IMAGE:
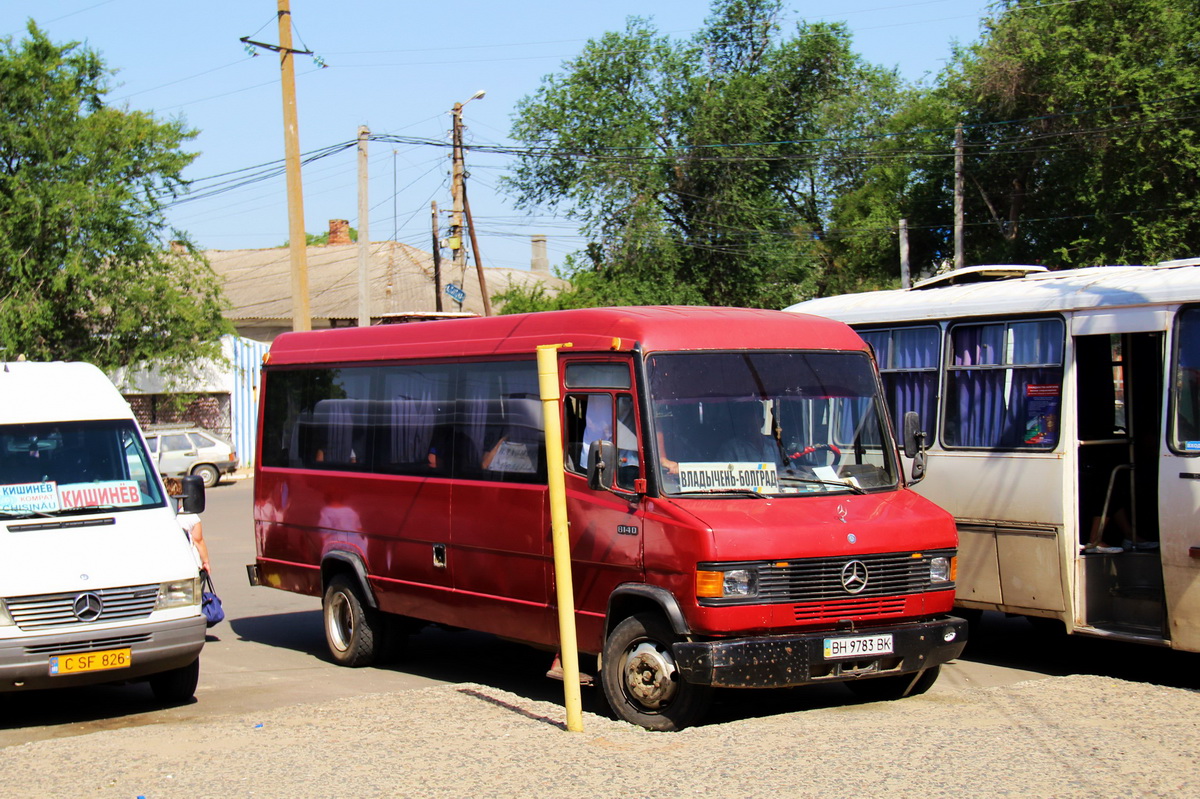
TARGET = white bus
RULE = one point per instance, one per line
(1062, 418)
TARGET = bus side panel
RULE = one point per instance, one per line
(500, 559)
(1179, 508)
(395, 537)
(993, 496)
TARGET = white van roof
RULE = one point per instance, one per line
(57, 392)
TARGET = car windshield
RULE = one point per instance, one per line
(74, 467)
(769, 423)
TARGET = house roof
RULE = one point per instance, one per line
(258, 283)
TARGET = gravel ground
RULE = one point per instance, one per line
(1062, 737)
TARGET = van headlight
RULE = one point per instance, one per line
(726, 584)
(178, 594)
(939, 570)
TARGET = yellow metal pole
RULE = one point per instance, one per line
(547, 360)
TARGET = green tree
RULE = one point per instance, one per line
(700, 170)
(1081, 143)
(85, 270)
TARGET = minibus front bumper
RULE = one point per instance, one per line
(781, 661)
(154, 647)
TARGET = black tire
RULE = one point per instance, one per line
(176, 686)
(353, 631)
(208, 473)
(640, 680)
(885, 689)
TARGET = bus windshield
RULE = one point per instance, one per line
(769, 423)
(74, 467)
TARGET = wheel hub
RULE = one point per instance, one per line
(650, 675)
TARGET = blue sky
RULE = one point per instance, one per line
(398, 66)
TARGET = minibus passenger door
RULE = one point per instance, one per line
(1179, 485)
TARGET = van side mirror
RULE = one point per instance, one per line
(914, 444)
(602, 461)
(193, 494)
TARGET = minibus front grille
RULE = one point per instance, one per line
(821, 579)
(43, 611)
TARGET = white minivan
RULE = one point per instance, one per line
(98, 582)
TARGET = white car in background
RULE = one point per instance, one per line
(180, 450)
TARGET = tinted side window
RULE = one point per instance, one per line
(1004, 385)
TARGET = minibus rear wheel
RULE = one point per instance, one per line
(640, 680)
(353, 631)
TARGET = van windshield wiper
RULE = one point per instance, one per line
(25, 513)
(819, 481)
(737, 492)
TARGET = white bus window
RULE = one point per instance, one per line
(1004, 385)
(908, 363)
(1185, 437)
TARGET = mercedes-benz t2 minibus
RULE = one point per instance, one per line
(754, 530)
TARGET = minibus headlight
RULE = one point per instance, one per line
(726, 584)
(939, 570)
(178, 594)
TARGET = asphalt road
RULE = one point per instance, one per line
(270, 653)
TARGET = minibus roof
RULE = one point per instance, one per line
(57, 392)
(1027, 292)
(656, 328)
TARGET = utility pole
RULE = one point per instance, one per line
(437, 259)
(905, 273)
(364, 238)
(483, 289)
(958, 196)
(456, 189)
(301, 315)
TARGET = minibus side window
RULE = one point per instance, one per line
(1004, 385)
(591, 418)
(498, 423)
(1185, 435)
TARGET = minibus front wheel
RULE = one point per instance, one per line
(640, 678)
(353, 631)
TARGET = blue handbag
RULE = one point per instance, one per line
(210, 603)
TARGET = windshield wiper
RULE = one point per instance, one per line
(738, 492)
(819, 481)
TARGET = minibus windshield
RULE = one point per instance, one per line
(769, 423)
(56, 468)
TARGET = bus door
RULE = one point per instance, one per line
(1179, 485)
(605, 525)
(1119, 399)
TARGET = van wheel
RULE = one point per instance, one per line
(884, 689)
(353, 631)
(176, 686)
(640, 680)
(208, 473)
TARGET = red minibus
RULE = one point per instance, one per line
(737, 512)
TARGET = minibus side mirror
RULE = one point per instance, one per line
(193, 494)
(914, 445)
(602, 460)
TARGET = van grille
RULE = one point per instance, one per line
(817, 579)
(94, 645)
(44, 611)
(844, 608)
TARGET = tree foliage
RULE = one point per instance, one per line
(1079, 122)
(84, 270)
(746, 166)
(699, 169)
